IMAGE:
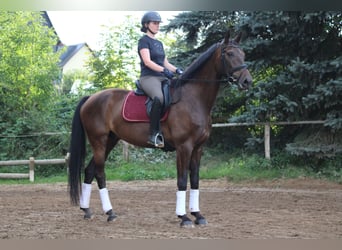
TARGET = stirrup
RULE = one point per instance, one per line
(154, 140)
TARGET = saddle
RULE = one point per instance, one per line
(137, 105)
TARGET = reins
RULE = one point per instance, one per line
(229, 74)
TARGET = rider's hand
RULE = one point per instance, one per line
(168, 73)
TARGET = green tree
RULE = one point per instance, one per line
(302, 53)
(115, 64)
(198, 30)
(71, 77)
(28, 68)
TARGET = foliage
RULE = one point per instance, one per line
(71, 77)
(28, 64)
(28, 68)
(318, 142)
(197, 31)
(307, 45)
(307, 79)
(114, 65)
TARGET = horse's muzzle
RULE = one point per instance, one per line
(245, 85)
(245, 80)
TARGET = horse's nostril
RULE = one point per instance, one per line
(248, 82)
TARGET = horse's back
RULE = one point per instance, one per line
(101, 108)
(100, 100)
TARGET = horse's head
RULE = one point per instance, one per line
(233, 62)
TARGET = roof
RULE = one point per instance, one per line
(71, 49)
(47, 20)
(70, 52)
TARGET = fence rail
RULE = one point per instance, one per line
(217, 125)
(267, 130)
(31, 164)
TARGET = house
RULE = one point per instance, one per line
(75, 58)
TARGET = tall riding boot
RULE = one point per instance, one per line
(156, 138)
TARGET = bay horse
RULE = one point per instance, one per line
(98, 118)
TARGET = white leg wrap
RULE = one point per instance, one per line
(180, 205)
(85, 195)
(194, 200)
(106, 205)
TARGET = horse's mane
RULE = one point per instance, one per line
(198, 63)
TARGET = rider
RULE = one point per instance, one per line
(155, 68)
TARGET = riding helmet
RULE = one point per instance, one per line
(151, 16)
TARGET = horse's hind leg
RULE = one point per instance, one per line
(100, 157)
(89, 174)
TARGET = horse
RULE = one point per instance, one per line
(99, 119)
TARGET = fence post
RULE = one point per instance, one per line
(31, 171)
(67, 158)
(267, 135)
(125, 150)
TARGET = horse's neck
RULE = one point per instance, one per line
(204, 86)
(204, 90)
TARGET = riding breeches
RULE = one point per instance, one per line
(152, 86)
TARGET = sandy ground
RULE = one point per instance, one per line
(296, 209)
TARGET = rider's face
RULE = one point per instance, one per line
(154, 26)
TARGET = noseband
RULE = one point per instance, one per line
(230, 73)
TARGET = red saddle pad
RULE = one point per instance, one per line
(134, 109)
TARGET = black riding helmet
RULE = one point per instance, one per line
(150, 16)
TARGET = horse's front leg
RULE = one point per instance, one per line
(183, 160)
(194, 187)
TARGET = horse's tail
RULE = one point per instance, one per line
(77, 154)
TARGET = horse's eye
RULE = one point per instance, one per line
(230, 54)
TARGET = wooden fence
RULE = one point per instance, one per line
(267, 133)
(267, 130)
(31, 164)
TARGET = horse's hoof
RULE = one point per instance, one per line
(88, 214)
(186, 222)
(111, 216)
(201, 222)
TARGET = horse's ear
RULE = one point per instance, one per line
(227, 37)
(238, 38)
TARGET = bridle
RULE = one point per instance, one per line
(230, 73)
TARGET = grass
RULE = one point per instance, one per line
(147, 164)
(238, 173)
(248, 168)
